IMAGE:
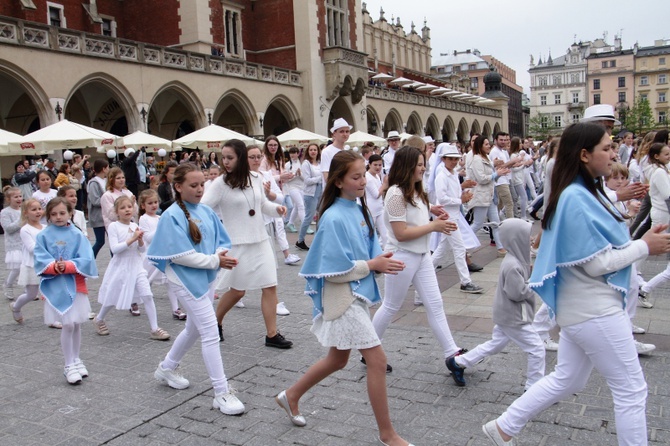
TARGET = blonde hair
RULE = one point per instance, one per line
(618, 169)
(10, 190)
(111, 176)
(144, 196)
(24, 209)
(119, 201)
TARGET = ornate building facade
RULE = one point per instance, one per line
(652, 78)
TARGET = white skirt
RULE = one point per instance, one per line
(352, 330)
(13, 259)
(27, 276)
(78, 314)
(257, 268)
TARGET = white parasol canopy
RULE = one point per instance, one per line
(440, 90)
(382, 77)
(5, 138)
(359, 138)
(299, 136)
(401, 81)
(139, 139)
(63, 135)
(427, 87)
(209, 138)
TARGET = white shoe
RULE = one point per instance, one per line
(282, 310)
(550, 345)
(81, 368)
(643, 349)
(291, 259)
(240, 304)
(417, 299)
(638, 330)
(643, 300)
(91, 316)
(491, 431)
(171, 378)
(72, 374)
(228, 404)
(9, 293)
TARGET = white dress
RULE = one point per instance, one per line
(125, 276)
(149, 223)
(27, 274)
(352, 330)
(11, 223)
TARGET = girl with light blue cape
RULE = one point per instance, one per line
(339, 273)
(64, 259)
(582, 273)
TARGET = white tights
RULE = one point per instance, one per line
(70, 342)
(29, 295)
(12, 276)
(149, 307)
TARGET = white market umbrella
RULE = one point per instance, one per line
(401, 81)
(210, 138)
(5, 138)
(63, 135)
(414, 85)
(439, 91)
(405, 135)
(451, 93)
(299, 136)
(359, 138)
(139, 139)
(427, 87)
(382, 77)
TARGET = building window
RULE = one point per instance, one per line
(662, 79)
(575, 98)
(336, 17)
(596, 84)
(575, 118)
(557, 99)
(543, 81)
(232, 29)
(661, 96)
(472, 67)
(457, 69)
(661, 60)
(612, 63)
(543, 100)
(622, 82)
(644, 97)
(622, 96)
(596, 99)
(557, 80)
(56, 15)
(662, 117)
(644, 80)
(108, 27)
(604, 64)
(474, 83)
(558, 122)
(544, 121)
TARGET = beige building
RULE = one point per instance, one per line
(652, 78)
(610, 77)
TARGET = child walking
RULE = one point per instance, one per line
(149, 202)
(10, 218)
(31, 215)
(193, 246)
(513, 308)
(45, 193)
(96, 188)
(125, 277)
(78, 217)
(374, 195)
(339, 270)
(64, 259)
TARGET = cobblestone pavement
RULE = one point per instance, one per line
(121, 403)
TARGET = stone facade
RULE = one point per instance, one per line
(652, 77)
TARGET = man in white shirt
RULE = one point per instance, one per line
(500, 157)
(626, 148)
(393, 138)
(340, 133)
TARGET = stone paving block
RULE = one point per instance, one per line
(232, 437)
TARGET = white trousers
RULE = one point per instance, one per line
(605, 343)
(280, 234)
(530, 184)
(201, 323)
(420, 273)
(378, 221)
(479, 215)
(524, 336)
(521, 199)
(453, 241)
(298, 212)
(543, 323)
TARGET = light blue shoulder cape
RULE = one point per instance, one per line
(580, 229)
(68, 243)
(341, 239)
(172, 240)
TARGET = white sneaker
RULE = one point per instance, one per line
(81, 368)
(638, 330)
(9, 293)
(228, 404)
(491, 431)
(282, 310)
(643, 349)
(643, 300)
(550, 345)
(240, 304)
(417, 299)
(292, 259)
(72, 374)
(171, 378)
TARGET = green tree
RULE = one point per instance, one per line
(639, 119)
(541, 126)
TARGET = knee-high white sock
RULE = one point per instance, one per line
(150, 308)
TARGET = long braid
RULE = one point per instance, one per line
(193, 229)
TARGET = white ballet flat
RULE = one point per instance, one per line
(384, 444)
(297, 420)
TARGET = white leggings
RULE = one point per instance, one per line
(12, 276)
(479, 215)
(524, 336)
(201, 323)
(149, 307)
(658, 279)
(29, 295)
(605, 343)
(420, 273)
(298, 212)
(70, 342)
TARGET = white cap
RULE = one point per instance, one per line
(393, 134)
(428, 139)
(600, 112)
(338, 124)
(129, 151)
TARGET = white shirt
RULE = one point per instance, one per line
(388, 158)
(327, 157)
(499, 154)
(448, 192)
(372, 196)
(397, 209)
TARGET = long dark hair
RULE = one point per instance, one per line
(239, 177)
(569, 167)
(478, 145)
(654, 150)
(339, 167)
(402, 174)
(180, 178)
(166, 169)
(318, 154)
(276, 160)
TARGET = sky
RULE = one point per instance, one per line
(512, 30)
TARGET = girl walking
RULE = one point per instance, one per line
(293, 188)
(64, 259)
(96, 188)
(45, 193)
(407, 218)
(193, 246)
(10, 218)
(31, 215)
(125, 277)
(374, 195)
(78, 218)
(339, 270)
(311, 174)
